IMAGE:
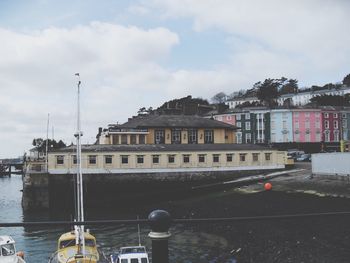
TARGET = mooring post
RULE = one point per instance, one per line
(159, 221)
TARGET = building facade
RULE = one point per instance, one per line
(331, 124)
(281, 126)
(307, 125)
(228, 118)
(168, 129)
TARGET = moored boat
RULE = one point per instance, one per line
(134, 254)
(8, 253)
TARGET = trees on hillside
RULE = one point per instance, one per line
(331, 100)
(346, 80)
(267, 91)
(219, 98)
(40, 144)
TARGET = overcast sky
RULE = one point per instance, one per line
(141, 53)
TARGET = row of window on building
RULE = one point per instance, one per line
(186, 158)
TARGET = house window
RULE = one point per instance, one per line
(139, 158)
(175, 136)
(335, 124)
(284, 124)
(201, 158)
(307, 124)
(273, 137)
(297, 137)
(125, 159)
(238, 117)
(186, 158)
(296, 125)
(344, 123)
(248, 138)
(344, 115)
(142, 139)
(307, 137)
(296, 114)
(247, 116)
(317, 114)
(108, 159)
(242, 157)
(124, 139)
(171, 158)
(159, 137)
(239, 137)
(247, 126)
(272, 125)
(132, 139)
(267, 156)
(318, 137)
(192, 136)
(59, 159)
(115, 139)
(239, 124)
(326, 115)
(327, 136)
(335, 115)
(336, 136)
(208, 136)
(74, 158)
(255, 157)
(326, 124)
(216, 158)
(92, 159)
(229, 157)
(155, 158)
(317, 124)
(307, 114)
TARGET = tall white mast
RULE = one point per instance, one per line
(80, 204)
(47, 143)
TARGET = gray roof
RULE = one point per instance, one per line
(164, 148)
(174, 121)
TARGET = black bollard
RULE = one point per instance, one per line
(159, 221)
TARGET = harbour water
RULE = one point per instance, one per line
(39, 242)
(317, 239)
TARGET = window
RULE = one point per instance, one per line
(159, 137)
(134, 260)
(74, 158)
(335, 124)
(171, 158)
(273, 137)
(317, 114)
(296, 114)
(247, 126)
(239, 137)
(272, 125)
(326, 115)
(139, 158)
(248, 138)
(92, 159)
(318, 137)
(336, 136)
(229, 157)
(216, 158)
(125, 159)
(208, 136)
(307, 114)
(175, 136)
(124, 139)
(229, 118)
(284, 124)
(155, 158)
(247, 116)
(108, 159)
(186, 158)
(344, 123)
(8, 250)
(335, 115)
(132, 139)
(144, 260)
(296, 124)
(142, 139)
(192, 136)
(344, 115)
(59, 159)
(327, 136)
(307, 137)
(201, 158)
(297, 137)
(242, 157)
(239, 124)
(238, 117)
(267, 156)
(317, 124)
(326, 124)
(124, 260)
(115, 139)
(307, 124)
(255, 157)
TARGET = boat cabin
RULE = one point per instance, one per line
(8, 250)
(136, 254)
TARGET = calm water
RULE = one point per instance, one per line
(186, 245)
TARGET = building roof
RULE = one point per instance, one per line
(163, 148)
(174, 121)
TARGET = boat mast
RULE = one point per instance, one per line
(80, 205)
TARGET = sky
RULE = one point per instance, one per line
(141, 53)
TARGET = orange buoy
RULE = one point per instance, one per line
(268, 186)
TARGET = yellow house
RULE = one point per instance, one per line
(168, 129)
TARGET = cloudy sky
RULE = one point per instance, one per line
(143, 52)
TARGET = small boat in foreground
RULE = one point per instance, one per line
(135, 254)
(8, 252)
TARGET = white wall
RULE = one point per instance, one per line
(331, 163)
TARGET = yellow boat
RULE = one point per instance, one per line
(68, 251)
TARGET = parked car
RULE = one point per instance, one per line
(295, 154)
(304, 158)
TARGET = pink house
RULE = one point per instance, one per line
(307, 125)
(228, 118)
